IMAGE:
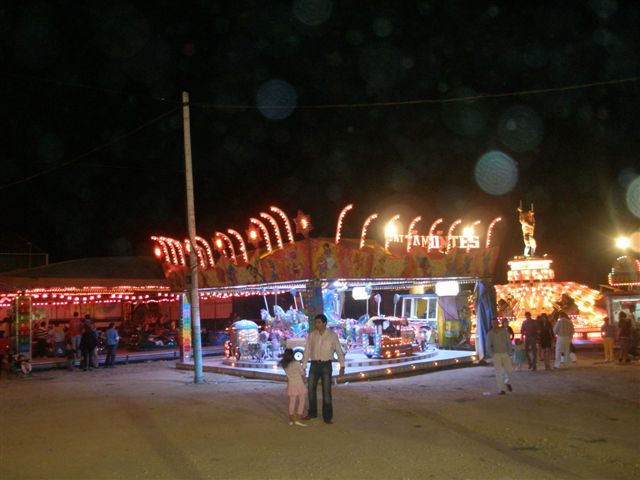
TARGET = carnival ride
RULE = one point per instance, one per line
(321, 272)
(532, 287)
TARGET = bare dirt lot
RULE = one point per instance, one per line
(150, 421)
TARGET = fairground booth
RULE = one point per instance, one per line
(132, 292)
(622, 292)
(405, 298)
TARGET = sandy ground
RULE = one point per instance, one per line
(150, 421)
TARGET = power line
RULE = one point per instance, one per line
(89, 152)
(468, 98)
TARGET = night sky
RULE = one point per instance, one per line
(92, 133)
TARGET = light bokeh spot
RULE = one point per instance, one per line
(633, 197)
(496, 173)
(312, 12)
(276, 99)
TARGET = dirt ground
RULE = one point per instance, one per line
(150, 421)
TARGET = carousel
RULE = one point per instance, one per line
(398, 305)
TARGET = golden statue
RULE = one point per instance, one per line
(528, 222)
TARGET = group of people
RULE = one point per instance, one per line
(76, 341)
(88, 346)
(538, 336)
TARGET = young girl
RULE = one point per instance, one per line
(519, 354)
(296, 387)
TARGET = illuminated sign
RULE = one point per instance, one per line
(437, 242)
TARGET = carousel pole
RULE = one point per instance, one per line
(193, 259)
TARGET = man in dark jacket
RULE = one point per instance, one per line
(88, 343)
(530, 332)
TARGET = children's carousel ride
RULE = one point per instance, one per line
(432, 275)
(532, 287)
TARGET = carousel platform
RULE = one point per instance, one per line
(357, 366)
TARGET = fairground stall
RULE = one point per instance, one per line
(532, 287)
(132, 292)
(622, 294)
(409, 296)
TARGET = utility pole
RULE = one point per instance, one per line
(193, 259)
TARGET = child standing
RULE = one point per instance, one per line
(296, 387)
(519, 354)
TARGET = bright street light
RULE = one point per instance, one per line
(623, 243)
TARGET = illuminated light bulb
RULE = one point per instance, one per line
(468, 231)
(390, 230)
(623, 243)
(344, 211)
(285, 219)
(157, 252)
(365, 225)
(411, 230)
(219, 243)
(274, 225)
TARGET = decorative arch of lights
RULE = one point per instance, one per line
(460, 235)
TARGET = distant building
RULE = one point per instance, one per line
(17, 253)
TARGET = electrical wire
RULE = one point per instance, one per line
(425, 101)
(468, 98)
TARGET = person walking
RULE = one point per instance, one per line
(564, 331)
(296, 387)
(530, 330)
(499, 349)
(88, 343)
(111, 341)
(608, 333)
(624, 336)
(546, 339)
(319, 350)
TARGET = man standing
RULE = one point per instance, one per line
(499, 349)
(111, 339)
(624, 335)
(530, 332)
(75, 333)
(608, 332)
(564, 333)
(321, 345)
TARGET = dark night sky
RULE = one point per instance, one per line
(79, 74)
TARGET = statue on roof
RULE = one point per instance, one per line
(528, 222)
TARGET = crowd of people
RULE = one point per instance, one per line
(539, 336)
(77, 342)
